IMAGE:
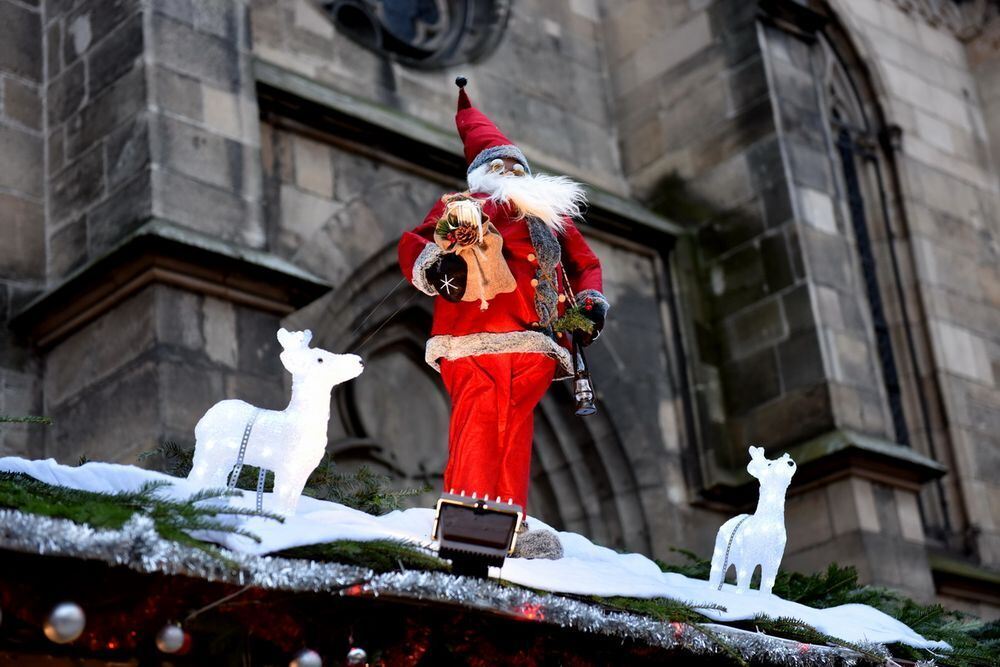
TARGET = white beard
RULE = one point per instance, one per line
(551, 199)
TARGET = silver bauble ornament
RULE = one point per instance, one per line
(65, 623)
(170, 638)
(306, 658)
(357, 657)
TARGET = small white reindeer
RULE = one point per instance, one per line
(290, 442)
(749, 540)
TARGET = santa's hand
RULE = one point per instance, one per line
(585, 338)
(448, 275)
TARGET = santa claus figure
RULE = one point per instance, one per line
(504, 261)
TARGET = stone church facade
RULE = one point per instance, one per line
(796, 203)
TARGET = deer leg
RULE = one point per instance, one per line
(744, 573)
(719, 564)
(209, 467)
(768, 573)
(287, 489)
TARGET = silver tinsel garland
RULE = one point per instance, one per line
(138, 546)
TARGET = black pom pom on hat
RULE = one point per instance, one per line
(460, 81)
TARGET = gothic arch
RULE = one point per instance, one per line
(394, 417)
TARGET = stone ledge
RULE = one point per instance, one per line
(364, 126)
(963, 579)
(161, 252)
(827, 458)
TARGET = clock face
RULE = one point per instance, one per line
(427, 34)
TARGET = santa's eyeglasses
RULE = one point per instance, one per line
(498, 166)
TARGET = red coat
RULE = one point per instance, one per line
(518, 321)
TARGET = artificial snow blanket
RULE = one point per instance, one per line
(586, 569)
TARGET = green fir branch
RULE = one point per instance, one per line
(172, 520)
(572, 320)
(791, 628)
(30, 419)
(727, 648)
(362, 489)
(974, 643)
(379, 555)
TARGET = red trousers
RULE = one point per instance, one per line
(493, 398)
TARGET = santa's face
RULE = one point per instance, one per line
(507, 166)
(552, 199)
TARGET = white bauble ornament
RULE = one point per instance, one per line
(357, 657)
(288, 442)
(749, 540)
(65, 623)
(170, 638)
(306, 658)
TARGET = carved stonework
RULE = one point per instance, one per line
(966, 19)
(423, 33)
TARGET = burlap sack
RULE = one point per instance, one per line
(489, 274)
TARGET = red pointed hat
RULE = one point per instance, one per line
(483, 141)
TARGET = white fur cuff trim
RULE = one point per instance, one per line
(427, 256)
(470, 345)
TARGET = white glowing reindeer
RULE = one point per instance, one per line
(289, 442)
(749, 540)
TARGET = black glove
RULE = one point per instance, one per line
(448, 275)
(584, 338)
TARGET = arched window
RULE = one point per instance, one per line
(862, 192)
(426, 34)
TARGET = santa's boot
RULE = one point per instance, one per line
(537, 544)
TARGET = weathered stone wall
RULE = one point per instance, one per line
(781, 333)
(145, 372)
(97, 166)
(544, 86)
(700, 143)
(950, 190)
(204, 119)
(22, 211)
(151, 113)
(982, 55)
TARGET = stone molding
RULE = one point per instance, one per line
(830, 457)
(962, 578)
(286, 96)
(966, 20)
(162, 253)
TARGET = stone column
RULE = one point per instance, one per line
(723, 130)
(22, 212)
(160, 299)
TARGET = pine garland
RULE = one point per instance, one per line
(173, 520)
(379, 555)
(974, 642)
(362, 489)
